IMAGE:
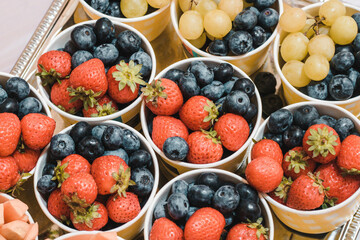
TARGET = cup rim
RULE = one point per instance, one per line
(73, 234)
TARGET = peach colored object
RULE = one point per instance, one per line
(15, 230)
(14, 209)
(33, 232)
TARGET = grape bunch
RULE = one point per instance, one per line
(225, 27)
(322, 53)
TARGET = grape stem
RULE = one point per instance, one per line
(191, 3)
(315, 26)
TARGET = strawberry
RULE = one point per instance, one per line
(57, 207)
(198, 113)
(248, 231)
(321, 143)
(206, 223)
(111, 175)
(53, 66)
(123, 209)
(340, 186)
(297, 162)
(124, 81)
(37, 130)
(26, 159)
(10, 130)
(165, 127)
(59, 95)
(204, 147)
(163, 97)
(95, 217)
(165, 229)
(306, 193)
(69, 166)
(264, 174)
(9, 173)
(280, 194)
(267, 148)
(88, 82)
(233, 131)
(349, 156)
(104, 106)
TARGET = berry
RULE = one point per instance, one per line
(240, 42)
(79, 57)
(188, 85)
(203, 74)
(246, 192)
(140, 158)
(304, 115)
(112, 137)
(70, 47)
(17, 88)
(348, 159)
(280, 121)
(174, 75)
(160, 210)
(209, 179)
(79, 131)
(61, 145)
(48, 169)
(245, 85)
(45, 185)
(114, 10)
(100, 5)
(95, 218)
(259, 36)
(26, 159)
(144, 182)
(177, 206)
(213, 91)
(123, 209)
(265, 83)
(237, 102)
(344, 126)
(10, 129)
(3, 95)
(83, 37)
(10, 105)
(180, 186)
(341, 87)
(60, 96)
(107, 53)
(131, 142)
(104, 30)
(293, 136)
(245, 20)
(200, 195)
(226, 199)
(175, 148)
(223, 72)
(267, 148)
(218, 48)
(277, 138)
(141, 57)
(164, 228)
(248, 210)
(252, 231)
(318, 90)
(127, 42)
(297, 162)
(90, 148)
(251, 112)
(56, 205)
(268, 18)
(121, 153)
(261, 4)
(271, 103)
(98, 131)
(342, 61)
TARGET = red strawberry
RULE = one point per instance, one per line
(111, 174)
(163, 97)
(297, 162)
(206, 223)
(248, 231)
(349, 157)
(165, 127)
(104, 106)
(198, 113)
(267, 148)
(233, 131)
(165, 229)
(88, 82)
(9, 173)
(204, 147)
(53, 66)
(264, 174)
(26, 159)
(280, 194)
(71, 165)
(59, 95)
(124, 80)
(10, 133)
(321, 143)
(57, 207)
(95, 218)
(339, 186)
(306, 193)
(123, 209)
(37, 130)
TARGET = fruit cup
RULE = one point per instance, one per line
(230, 163)
(292, 94)
(313, 221)
(151, 25)
(129, 113)
(128, 230)
(83, 235)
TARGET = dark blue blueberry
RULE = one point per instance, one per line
(144, 182)
(342, 61)
(49, 169)
(226, 199)
(270, 104)
(209, 179)
(128, 42)
(84, 37)
(10, 105)
(160, 210)
(228, 36)
(356, 43)
(112, 137)
(265, 83)
(228, 86)
(280, 121)
(245, 20)
(356, 17)
(180, 186)
(80, 57)
(268, 18)
(140, 158)
(343, 48)
(143, 58)
(248, 210)
(213, 91)
(268, 34)
(203, 74)
(90, 148)
(357, 61)
(98, 131)
(240, 42)
(104, 30)
(259, 36)
(223, 72)
(177, 206)
(218, 48)
(114, 10)
(174, 75)
(237, 102)
(245, 85)
(318, 90)
(277, 138)
(70, 47)
(121, 153)
(229, 220)
(131, 142)
(319, 121)
(304, 115)
(191, 211)
(331, 121)
(246, 192)
(45, 185)
(251, 112)
(293, 136)
(188, 86)
(341, 87)
(261, 4)
(354, 76)
(122, 58)
(29, 105)
(175, 148)
(220, 103)
(107, 53)
(200, 195)
(100, 5)
(344, 126)
(253, 9)
(328, 77)
(61, 146)
(17, 88)
(79, 131)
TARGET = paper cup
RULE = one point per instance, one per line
(81, 235)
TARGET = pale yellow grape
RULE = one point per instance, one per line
(308, 27)
(324, 29)
(316, 67)
(199, 43)
(344, 30)
(204, 6)
(217, 23)
(294, 47)
(294, 72)
(231, 7)
(323, 45)
(293, 20)
(191, 25)
(133, 8)
(186, 5)
(158, 3)
(331, 10)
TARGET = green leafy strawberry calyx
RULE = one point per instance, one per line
(260, 229)
(104, 110)
(49, 77)
(87, 217)
(123, 181)
(328, 202)
(21, 145)
(87, 96)
(17, 188)
(76, 205)
(298, 160)
(60, 174)
(284, 187)
(318, 182)
(322, 141)
(71, 111)
(213, 111)
(352, 171)
(212, 134)
(153, 92)
(128, 75)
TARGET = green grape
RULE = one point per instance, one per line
(294, 47)
(204, 6)
(200, 42)
(293, 71)
(323, 45)
(231, 7)
(217, 23)
(324, 30)
(344, 30)
(308, 29)
(186, 5)
(293, 20)
(331, 10)
(316, 67)
(158, 3)
(133, 8)
(191, 25)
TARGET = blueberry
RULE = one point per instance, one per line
(344, 126)
(200, 195)
(100, 5)
(218, 48)
(104, 30)
(304, 115)
(107, 53)
(83, 37)
(354, 76)
(49, 169)
(356, 17)
(317, 89)
(121, 153)
(144, 182)
(228, 36)
(188, 86)
(261, 4)
(240, 42)
(356, 43)
(140, 158)
(229, 220)
(270, 104)
(245, 85)
(357, 60)
(319, 121)
(275, 137)
(79, 131)
(128, 42)
(228, 86)
(341, 87)
(191, 211)
(251, 112)
(175, 148)
(209, 179)
(246, 192)
(268, 18)
(122, 58)
(203, 74)
(80, 57)
(226, 199)
(160, 210)
(114, 10)
(177, 206)
(10, 105)
(237, 102)
(17, 88)
(45, 185)
(112, 137)
(343, 48)
(332, 121)
(220, 103)
(180, 186)
(70, 47)
(293, 136)
(61, 146)
(280, 121)
(98, 131)
(342, 61)
(259, 36)
(223, 72)
(131, 142)
(143, 58)
(253, 9)
(174, 75)
(90, 148)
(245, 20)
(213, 91)
(248, 210)
(29, 105)
(265, 83)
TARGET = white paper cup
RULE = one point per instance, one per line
(81, 235)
